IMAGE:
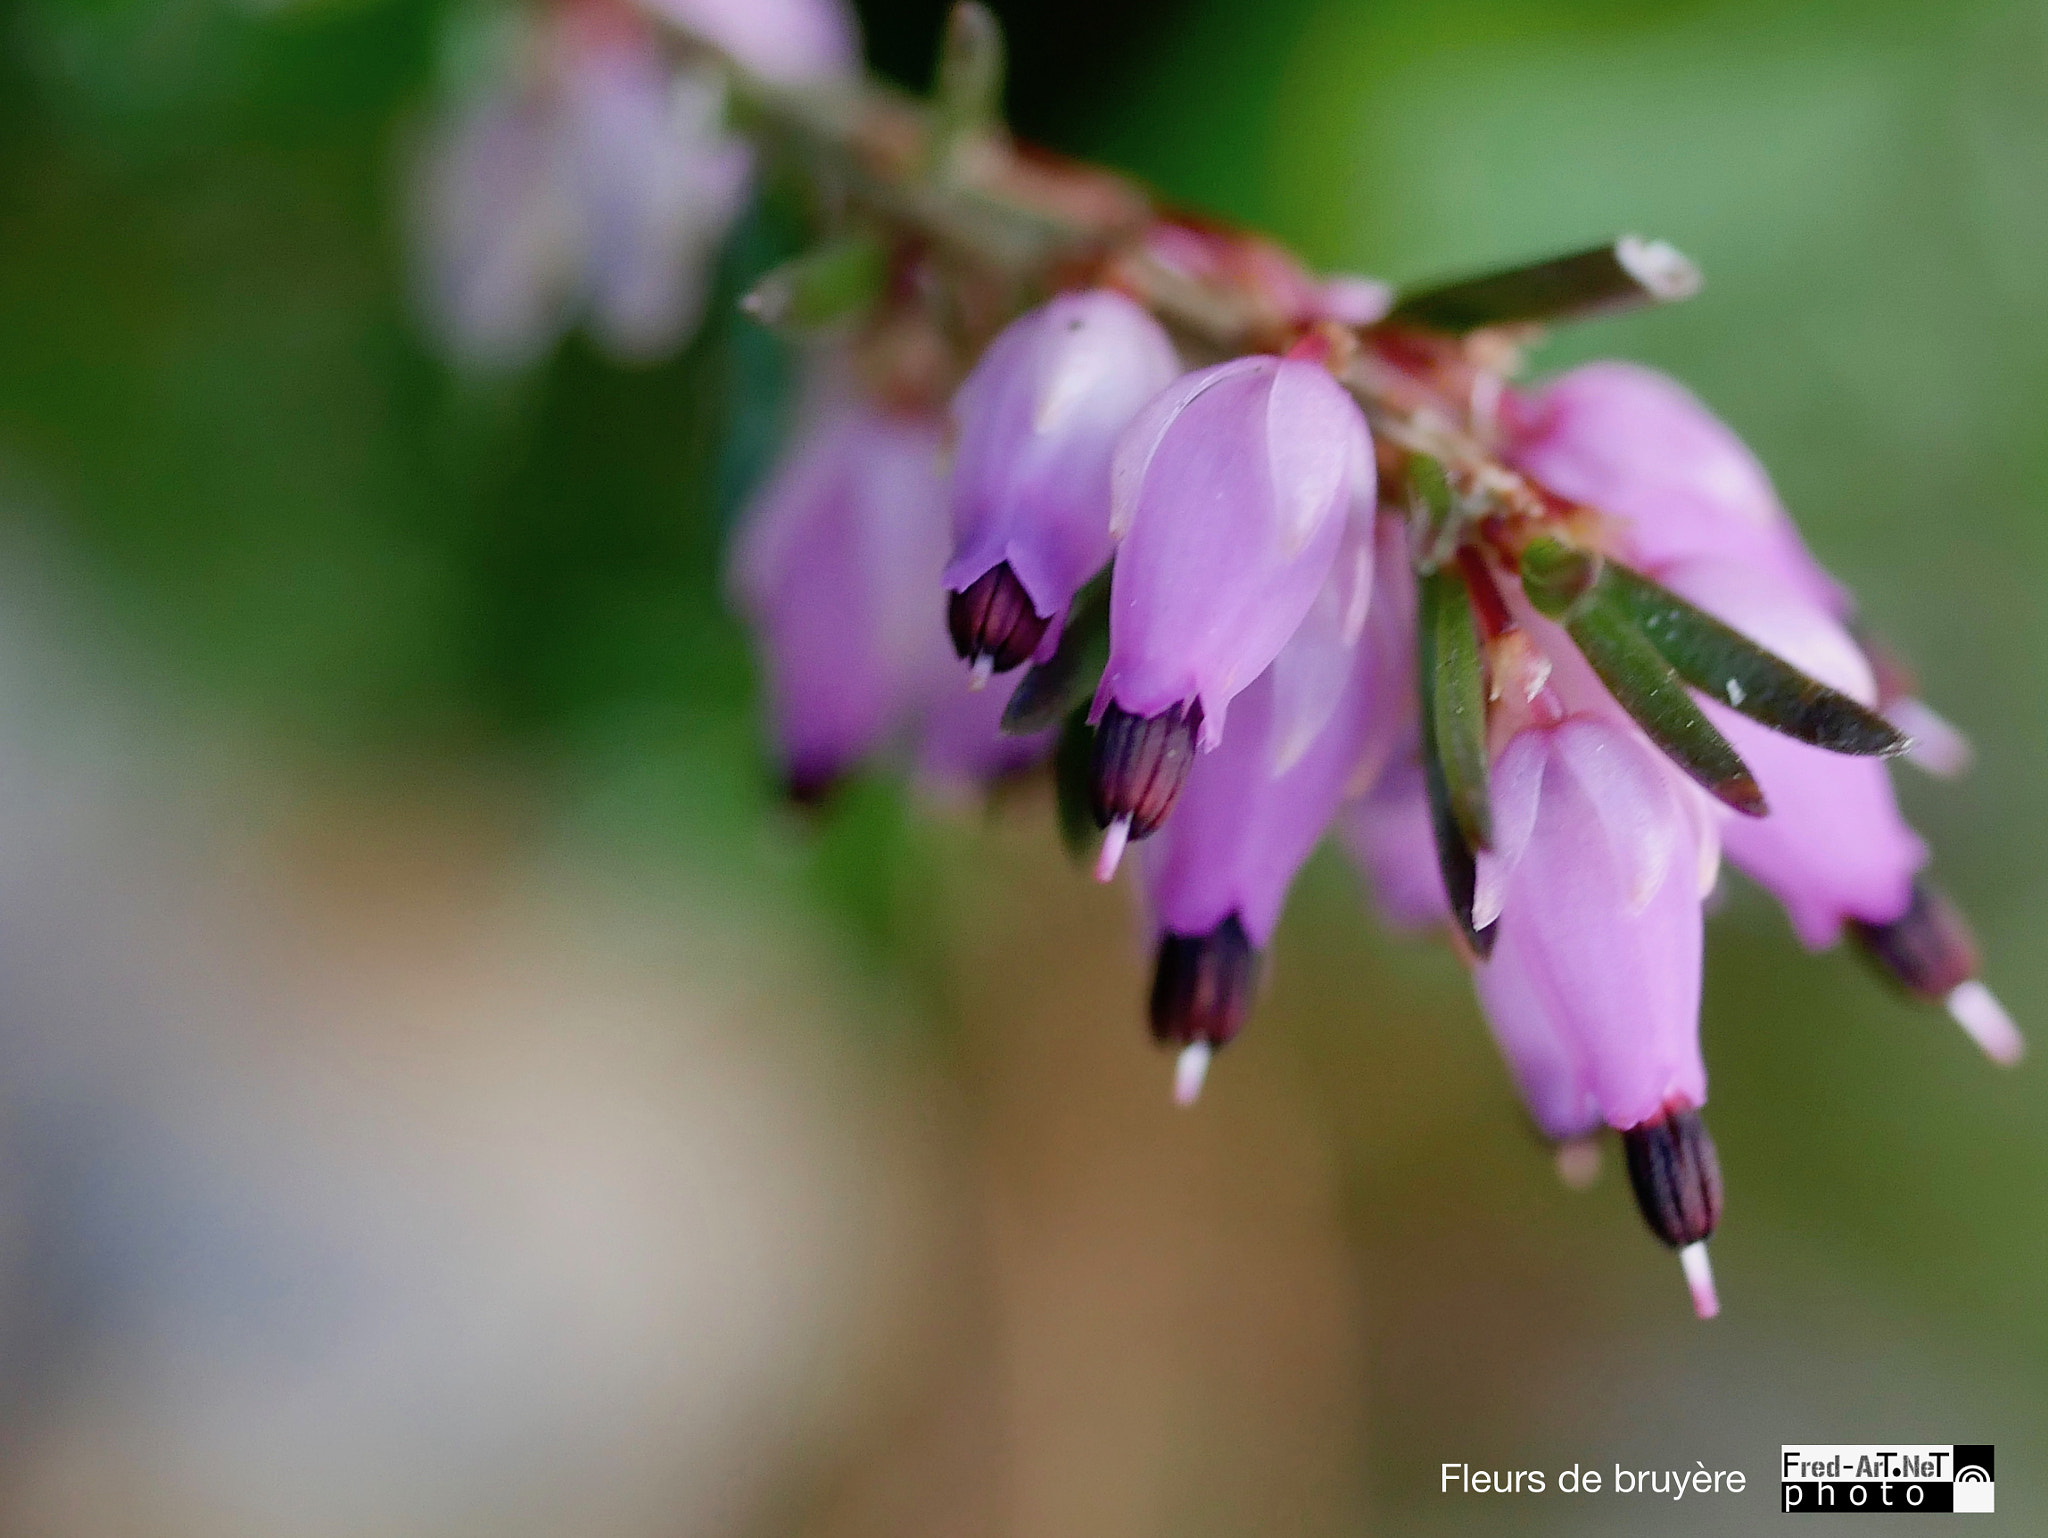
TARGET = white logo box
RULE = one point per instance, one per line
(1972, 1488)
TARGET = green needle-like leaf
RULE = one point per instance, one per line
(967, 97)
(1053, 688)
(1733, 669)
(1446, 789)
(1458, 702)
(1648, 688)
(828, 283)
(1621, 275)
(1578, 588)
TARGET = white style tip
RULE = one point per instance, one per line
(1578, 1163)
(1699, 1277)
(1189, 1070)
(1936, 746)
(1977, 1010)
(1114, 838)
(983, 670)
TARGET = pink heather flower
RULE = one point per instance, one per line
(787, 42)
(833, 564)
(1834, 850)
(1253, 810)
(1594, 878)
(659, 184)
(1038, 419)
(594, 181)
(961, 745)
(1230, 493)
(1385, 827)
(497, 233)
(1631, 443)
(1593, 989)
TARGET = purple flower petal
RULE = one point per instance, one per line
(1038, 420)
(836, 564)
(1234, 487)
(1593, 986)
(1633, 444)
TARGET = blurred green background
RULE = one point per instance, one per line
(281, 523)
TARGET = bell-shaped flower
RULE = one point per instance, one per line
(1230, 495)
(833, 565)
(659, 182)
(1637, 446)
(1216, 876)
(1594, 883)
(588, 180)
(1037, 421)
(1834, 849)
(497, 232)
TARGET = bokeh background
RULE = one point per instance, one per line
(443, 1090)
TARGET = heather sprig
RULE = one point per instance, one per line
(1256, 552)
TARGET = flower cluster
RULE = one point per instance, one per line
(1258, 555)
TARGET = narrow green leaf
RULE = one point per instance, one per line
(1051, 689)
(828, 283)
(1073, 768)
(1453, 850)
(1647, 687)
(1458, 702)
(1733, 669)
(967, 97)
(1624, 274)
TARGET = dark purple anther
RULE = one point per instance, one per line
(1202, 987)
(1928, 950)
(809, 785)
(1141, 762)
(1676, 1175)
(993, 624)
(1677, 1179)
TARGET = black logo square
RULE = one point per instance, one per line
(1976, 1455)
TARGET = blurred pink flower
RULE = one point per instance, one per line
(590, 182)
(836, 565)
(788, 42)
(1633, 444)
